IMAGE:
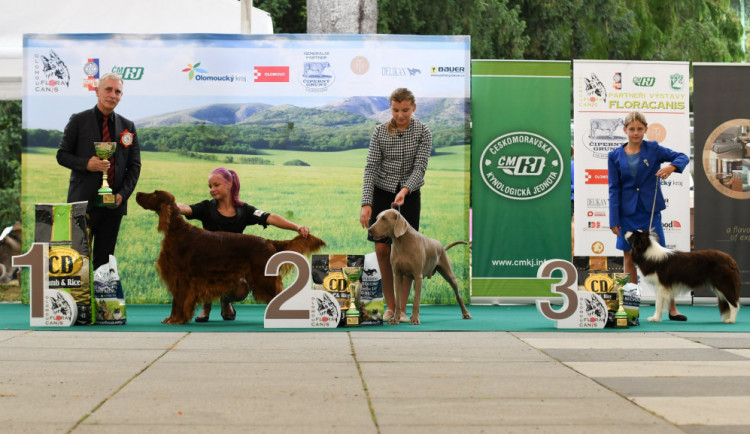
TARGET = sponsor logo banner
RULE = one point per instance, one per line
(271, 74)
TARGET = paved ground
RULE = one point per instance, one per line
(370, 382)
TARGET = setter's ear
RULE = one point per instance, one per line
(165, 215)
(400, 227)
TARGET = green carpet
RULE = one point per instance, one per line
(520, 318)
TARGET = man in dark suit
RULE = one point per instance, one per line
(76, 152)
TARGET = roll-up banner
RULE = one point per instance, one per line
(604, 92)
(520, 175)
(722, 164)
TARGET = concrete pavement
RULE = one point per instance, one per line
(374, 382)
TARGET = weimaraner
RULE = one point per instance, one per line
(415, 256)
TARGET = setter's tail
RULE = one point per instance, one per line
(305, 246)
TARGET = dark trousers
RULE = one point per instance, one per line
(411, 209)
(105, 225)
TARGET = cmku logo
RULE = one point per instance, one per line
(644, 81)
(521, 165)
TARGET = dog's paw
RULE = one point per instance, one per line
(654, 319)
(415, 321)
(467, 315)
(393, 321)
(729, 321)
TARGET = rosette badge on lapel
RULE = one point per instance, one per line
(126, 138)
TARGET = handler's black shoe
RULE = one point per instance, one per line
(678, 317)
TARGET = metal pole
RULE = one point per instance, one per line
(245, 20)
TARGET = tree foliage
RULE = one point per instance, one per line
(496, 28)
(686, 30)
(10, 163)
(288, 16)
(676, 30)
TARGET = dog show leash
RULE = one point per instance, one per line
(653, 207)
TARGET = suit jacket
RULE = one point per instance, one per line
(77, 147)
(626, 192)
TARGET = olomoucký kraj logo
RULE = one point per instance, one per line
(521, 165)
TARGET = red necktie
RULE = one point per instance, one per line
(106, 138)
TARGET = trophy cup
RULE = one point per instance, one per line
(621, 317)
(352, 279)
(105, 151)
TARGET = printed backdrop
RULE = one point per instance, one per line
(603, 94)
(520, 175)
(722, 164)
(292, 114)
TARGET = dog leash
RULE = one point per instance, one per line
(653, 207)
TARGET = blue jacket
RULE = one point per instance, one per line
(626, 192)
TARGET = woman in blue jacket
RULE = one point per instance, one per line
(634, 173)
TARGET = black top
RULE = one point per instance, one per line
(246, 215)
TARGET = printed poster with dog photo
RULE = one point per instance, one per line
(604, 93)
(722, 165)
(291, 114)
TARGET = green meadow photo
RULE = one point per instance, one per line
(323, 194)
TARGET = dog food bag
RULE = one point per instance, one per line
(371, 293)
(587, 265)
(631, 300)
(328, 275)
(64, 227)
(604, 285)
(108, 296)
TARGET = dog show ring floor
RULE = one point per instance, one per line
(508, 370)
(147, 317)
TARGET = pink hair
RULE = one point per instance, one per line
(230, 176)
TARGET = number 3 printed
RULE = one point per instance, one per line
(567, 287)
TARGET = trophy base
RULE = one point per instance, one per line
(352, 319)
(621, 321)
(106, 199)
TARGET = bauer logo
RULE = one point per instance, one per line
(521, 166)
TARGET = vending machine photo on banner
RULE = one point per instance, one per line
(604, 92)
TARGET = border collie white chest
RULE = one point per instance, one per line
(672, 272)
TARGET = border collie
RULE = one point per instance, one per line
(672, 272)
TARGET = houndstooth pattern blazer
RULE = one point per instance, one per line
(397, 161)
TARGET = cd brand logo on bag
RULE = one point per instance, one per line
(521, 166)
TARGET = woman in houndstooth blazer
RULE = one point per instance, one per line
(394, 173)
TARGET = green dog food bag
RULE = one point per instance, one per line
(64, 227)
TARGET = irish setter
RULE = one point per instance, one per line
(200, 266)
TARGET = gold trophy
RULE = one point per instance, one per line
(621, 317)
(105, 151)
(352, 279)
